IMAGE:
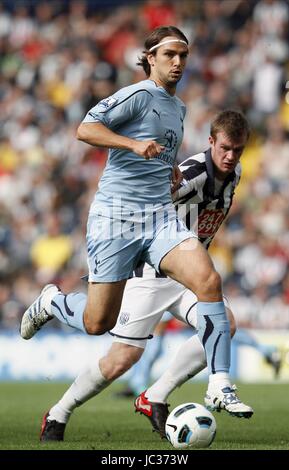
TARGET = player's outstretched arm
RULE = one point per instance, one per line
(101, 136)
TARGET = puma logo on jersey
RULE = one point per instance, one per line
(158, 114)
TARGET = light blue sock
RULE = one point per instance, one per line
(69, 309)
(214, 333)
(141, 371)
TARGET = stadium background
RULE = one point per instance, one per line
(57, 59)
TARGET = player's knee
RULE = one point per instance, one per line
(210, 286)
(118, 367)
(123, 362)
(96, 323)
(214, 282)
(97, 328)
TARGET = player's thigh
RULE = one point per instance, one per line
(168, 234)
(103, 303)
(144, 302)
(189, 263)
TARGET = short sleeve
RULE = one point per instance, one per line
(125, 105)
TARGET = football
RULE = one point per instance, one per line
(190, 425)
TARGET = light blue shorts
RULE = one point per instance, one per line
(115, 246)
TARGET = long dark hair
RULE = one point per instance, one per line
(153, 39)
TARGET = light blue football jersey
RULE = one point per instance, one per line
(142, 111)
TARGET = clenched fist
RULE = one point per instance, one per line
(147, 149)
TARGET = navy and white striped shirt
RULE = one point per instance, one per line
(202, 201)
(202, 192)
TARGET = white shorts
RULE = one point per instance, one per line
(144, 302)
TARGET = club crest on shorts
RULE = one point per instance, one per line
(123, 318)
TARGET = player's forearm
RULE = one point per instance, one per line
(100, 136)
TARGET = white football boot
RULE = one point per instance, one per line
(227, 399)
(39, 312)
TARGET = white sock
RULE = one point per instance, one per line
(86, 385)
(189, 361)
(219, 381)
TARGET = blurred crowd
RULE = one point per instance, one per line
(59, 58)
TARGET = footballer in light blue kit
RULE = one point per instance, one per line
(142, 127)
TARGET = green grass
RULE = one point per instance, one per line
(107, 423)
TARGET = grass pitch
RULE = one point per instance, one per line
(107, 423)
